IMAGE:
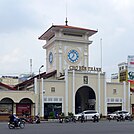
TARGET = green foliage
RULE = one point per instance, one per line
(51, 115)
(62, 115)
(70, 114)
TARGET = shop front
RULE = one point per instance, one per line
(8, 107)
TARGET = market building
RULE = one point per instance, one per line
(70, 84)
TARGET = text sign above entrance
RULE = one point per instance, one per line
(83, 68)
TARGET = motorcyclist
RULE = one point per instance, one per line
(95, 118)
(60, 118)
(14, 119)
(37, 119)
(82, 118)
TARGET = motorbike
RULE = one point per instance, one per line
(17, 124)
(60, 120)
(37, 119)
(31, 120)
(95, 118)
(67, 119)
(27, 119)
(120, 118)
(109, 117)
(129, 117)
(73, 119)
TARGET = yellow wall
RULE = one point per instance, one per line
(16, 96)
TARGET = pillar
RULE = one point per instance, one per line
(66, 92)
(105, 95)
(124, 96)
(36, 96)
(73, 93)
(98, 97)
(129, 102)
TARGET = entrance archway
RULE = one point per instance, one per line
(85, 99)
(24, 107)
(6, 106)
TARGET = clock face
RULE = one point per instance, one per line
(73, 56)
(50, 57)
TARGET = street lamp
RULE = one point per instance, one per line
(39, 90)
(40, 69)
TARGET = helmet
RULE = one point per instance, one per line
(14, 114)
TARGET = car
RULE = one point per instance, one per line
(88, 115)
(124, 113)
(118, 113)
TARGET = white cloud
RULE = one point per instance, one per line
(119, 31)
(124, 9)
(11, 57)
(24, 21)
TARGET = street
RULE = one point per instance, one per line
(102, 127)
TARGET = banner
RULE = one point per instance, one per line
(132, 86)
(131, 71)
(123, 75)
(131, 61)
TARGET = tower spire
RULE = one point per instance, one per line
(66, 15)
(66, 22)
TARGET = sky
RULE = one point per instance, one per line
(23, 21)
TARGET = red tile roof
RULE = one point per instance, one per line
(29, 82)
(6, 86)
(72, 27)
(58, 27)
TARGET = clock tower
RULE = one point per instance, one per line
(66, 46)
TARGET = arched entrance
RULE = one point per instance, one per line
(24, 107)
(85, 99)
(6, 106)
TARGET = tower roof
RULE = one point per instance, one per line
(50, 32)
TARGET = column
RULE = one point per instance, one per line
(98, 98)
(60, 57)
(105, 95)
(35, 85)
(66, 92)
(129, 105)
(42, 97)
(124, 96)
(73, 94)
(36, 96)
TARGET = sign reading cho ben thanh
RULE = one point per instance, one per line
(83, 68)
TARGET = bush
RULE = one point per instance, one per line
(51, 115)
(62, 115)
(70, 114)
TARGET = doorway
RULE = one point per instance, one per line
(85, 99)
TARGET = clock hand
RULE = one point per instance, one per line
(72, 55)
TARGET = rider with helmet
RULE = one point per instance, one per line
(13, 119)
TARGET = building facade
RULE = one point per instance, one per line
(77, 85)
(69, 84)
(9, 80)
